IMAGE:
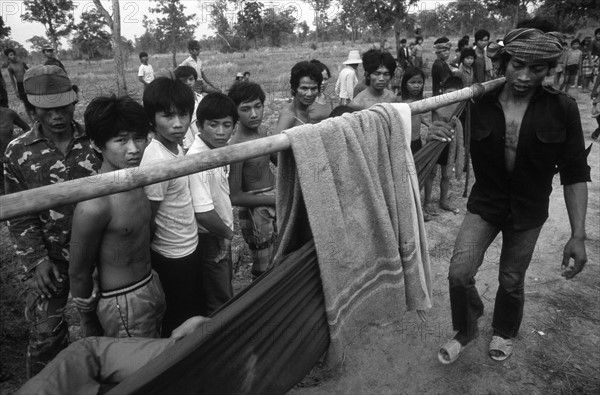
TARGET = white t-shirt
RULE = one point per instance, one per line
(210, 189)
(176, 233)
(147, 72)
(192, 131)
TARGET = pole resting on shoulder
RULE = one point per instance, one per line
(69, 192)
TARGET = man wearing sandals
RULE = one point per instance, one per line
(522, 134)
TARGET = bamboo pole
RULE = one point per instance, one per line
(49, 196)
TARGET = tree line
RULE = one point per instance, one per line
(240, 24)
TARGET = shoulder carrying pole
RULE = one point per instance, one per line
(43, 198)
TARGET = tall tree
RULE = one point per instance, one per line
(568, 15)
(320, 9)
(55, 15)
(114, 22)
(38, 42)
(91, 33)
(351, 16)
(176, 24)
(4, 30)
(249, 21)
(386, 14)
(278, 23)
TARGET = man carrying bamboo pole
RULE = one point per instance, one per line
(522, 133)
(55, 150)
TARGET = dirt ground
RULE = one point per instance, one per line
(558, 350)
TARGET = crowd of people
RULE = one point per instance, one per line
(153, 261)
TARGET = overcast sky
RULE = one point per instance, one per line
(132, 14)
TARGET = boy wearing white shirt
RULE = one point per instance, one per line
(216, 116)
(145, 72)
(174, 255)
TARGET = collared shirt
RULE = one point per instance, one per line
(210, 189)
(33, 161)
(347, 80)
(54, 62)
(195, 63)
(550, 141)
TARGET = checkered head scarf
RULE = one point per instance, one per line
(441, 47)
(530, 45)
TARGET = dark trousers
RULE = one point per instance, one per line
(181, 279)
(48, 329)
(474, 238)
(217, 271)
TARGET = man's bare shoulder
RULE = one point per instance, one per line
(94, 209)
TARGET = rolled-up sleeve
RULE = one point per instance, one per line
(572, 166)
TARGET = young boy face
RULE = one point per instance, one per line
(380, 78)
(12, 57)
(216, 132)
(172, 125)
(189, 80)
(468, 61)
(481, 44)
(575, 45)
(250, 113)
(123, 150)
(144, 59)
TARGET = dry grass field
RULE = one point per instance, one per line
(560, 340)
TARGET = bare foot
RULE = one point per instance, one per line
(430, 209)
(446, 206)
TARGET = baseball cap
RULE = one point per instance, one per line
(47, 48)
(48, 87)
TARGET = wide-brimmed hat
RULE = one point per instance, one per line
(353, 58)
(239, 75)
(48, 87)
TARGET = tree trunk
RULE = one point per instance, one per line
(317, 26)
(397, 33)
(114, 22)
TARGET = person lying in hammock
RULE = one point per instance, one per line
(94, 363)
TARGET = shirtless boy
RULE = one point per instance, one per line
(251, 182)
(379, 68)
(305, 81)
(112, 233)
(16, 72)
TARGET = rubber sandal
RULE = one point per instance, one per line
(499, 344)
(450, 208)
(452, 349)
(595, 134)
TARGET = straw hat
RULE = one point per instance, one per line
(353, 58)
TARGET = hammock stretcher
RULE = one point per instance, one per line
(270, 335)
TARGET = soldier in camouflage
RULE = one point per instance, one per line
(55, 150)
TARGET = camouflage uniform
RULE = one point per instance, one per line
(33, 161)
